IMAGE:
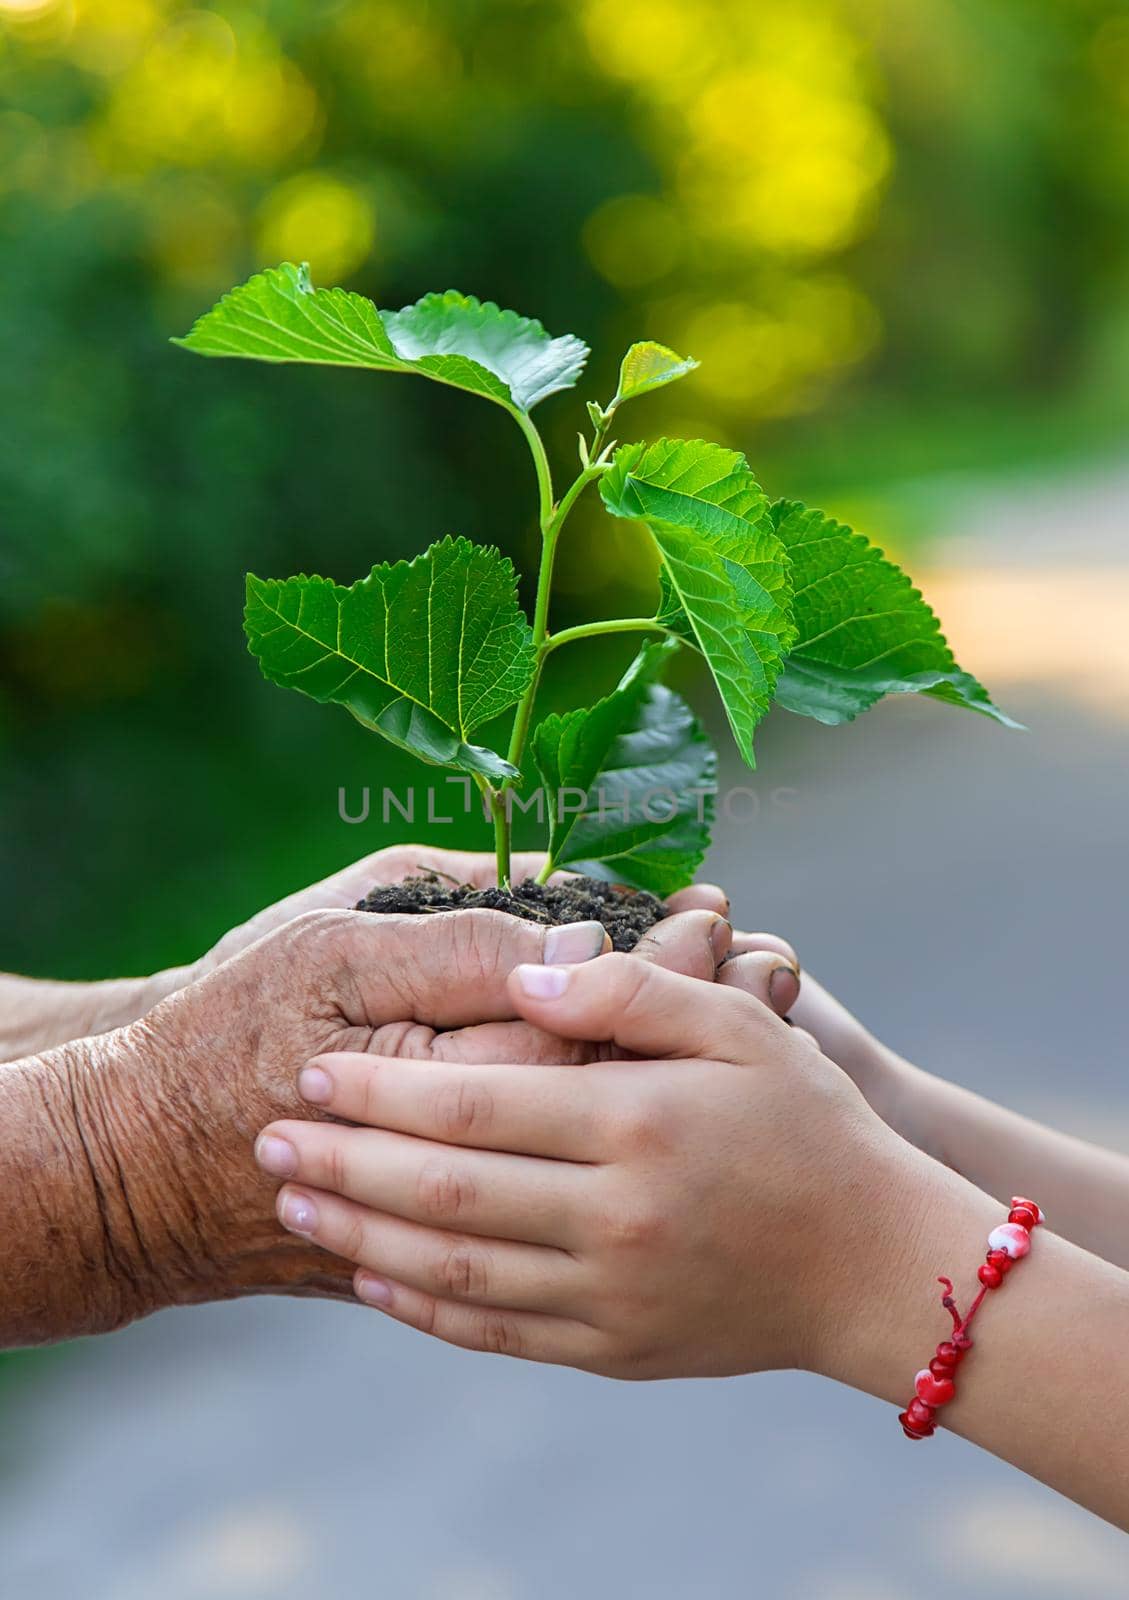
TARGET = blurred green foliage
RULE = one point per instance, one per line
(894, 232)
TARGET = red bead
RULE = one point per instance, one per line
(1011, 1237)
(949, 1354)
(912, 1432)
(919, 1414)
(941, 1369)
(933, 1390)
(1024, 1216)
(1018, 1200)
(990, 1276)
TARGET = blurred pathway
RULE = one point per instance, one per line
(965, 890)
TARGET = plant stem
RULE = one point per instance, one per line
(541, 464)
(497, 805)
(571, 496)
(551, 532)
(600, 436)
(589, 630)
(549, 523)
(501, 837)
(552, 517)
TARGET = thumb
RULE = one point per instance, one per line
(641, 1007)
(445, 970)
(690, 942)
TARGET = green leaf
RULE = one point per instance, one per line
(864, 631)
(278, 315)
(648, 366)
(725, 574)
(629, 782)
(424, 651)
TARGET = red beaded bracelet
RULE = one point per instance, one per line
(935, 1385)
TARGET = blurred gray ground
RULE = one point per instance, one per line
(964, 889)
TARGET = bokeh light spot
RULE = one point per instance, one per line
(205, 91)
(318, 218)
(633, 239)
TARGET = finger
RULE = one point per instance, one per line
(394, 864)
(643, 1008)
(766, 977)
(545, 1111)
(485, 1042)
(692, 942)
(339, 892)
(513, 1044)
(475, 1191)
(451, 1266)
(699, 897)
(524, 1334)
(446, 970)
(391, 865)
(747, 943)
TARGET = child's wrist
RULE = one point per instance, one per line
(918, 1107)
(921, 1221)
(907, 1098)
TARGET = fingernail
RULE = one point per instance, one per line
(543, 983)
(721, 935)
(297, 1213)
(784, 988)
(373, 1291)
(276, 1156)
(573, 942)
(315, 1086)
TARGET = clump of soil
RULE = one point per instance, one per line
(627, 914)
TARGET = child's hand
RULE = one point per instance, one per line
(713, 1209)
(911, 1100)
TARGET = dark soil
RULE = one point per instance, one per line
(627, 914)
